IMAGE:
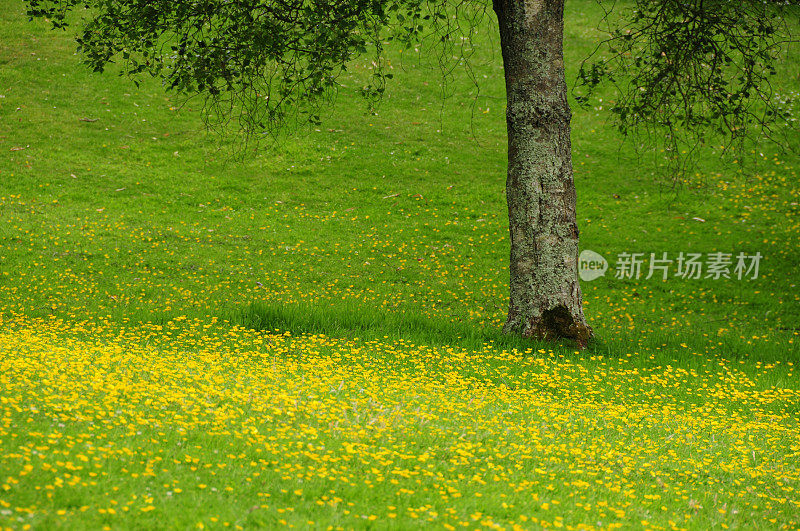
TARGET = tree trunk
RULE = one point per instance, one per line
(546, 301)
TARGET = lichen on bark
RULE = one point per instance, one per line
(545, 295)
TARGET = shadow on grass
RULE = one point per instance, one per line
(366, 324)
(353, 321)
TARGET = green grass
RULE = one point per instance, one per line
(154, 254)
(183, 427)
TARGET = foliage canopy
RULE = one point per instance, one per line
(684, 70)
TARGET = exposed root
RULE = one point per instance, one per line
(554, 324)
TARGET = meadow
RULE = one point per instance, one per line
(306, 332)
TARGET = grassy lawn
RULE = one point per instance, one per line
(307, 333)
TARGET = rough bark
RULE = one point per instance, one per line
(545, 296)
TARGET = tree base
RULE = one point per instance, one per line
(552, 325)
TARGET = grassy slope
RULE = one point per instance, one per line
(138, 217)
(375, 226)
